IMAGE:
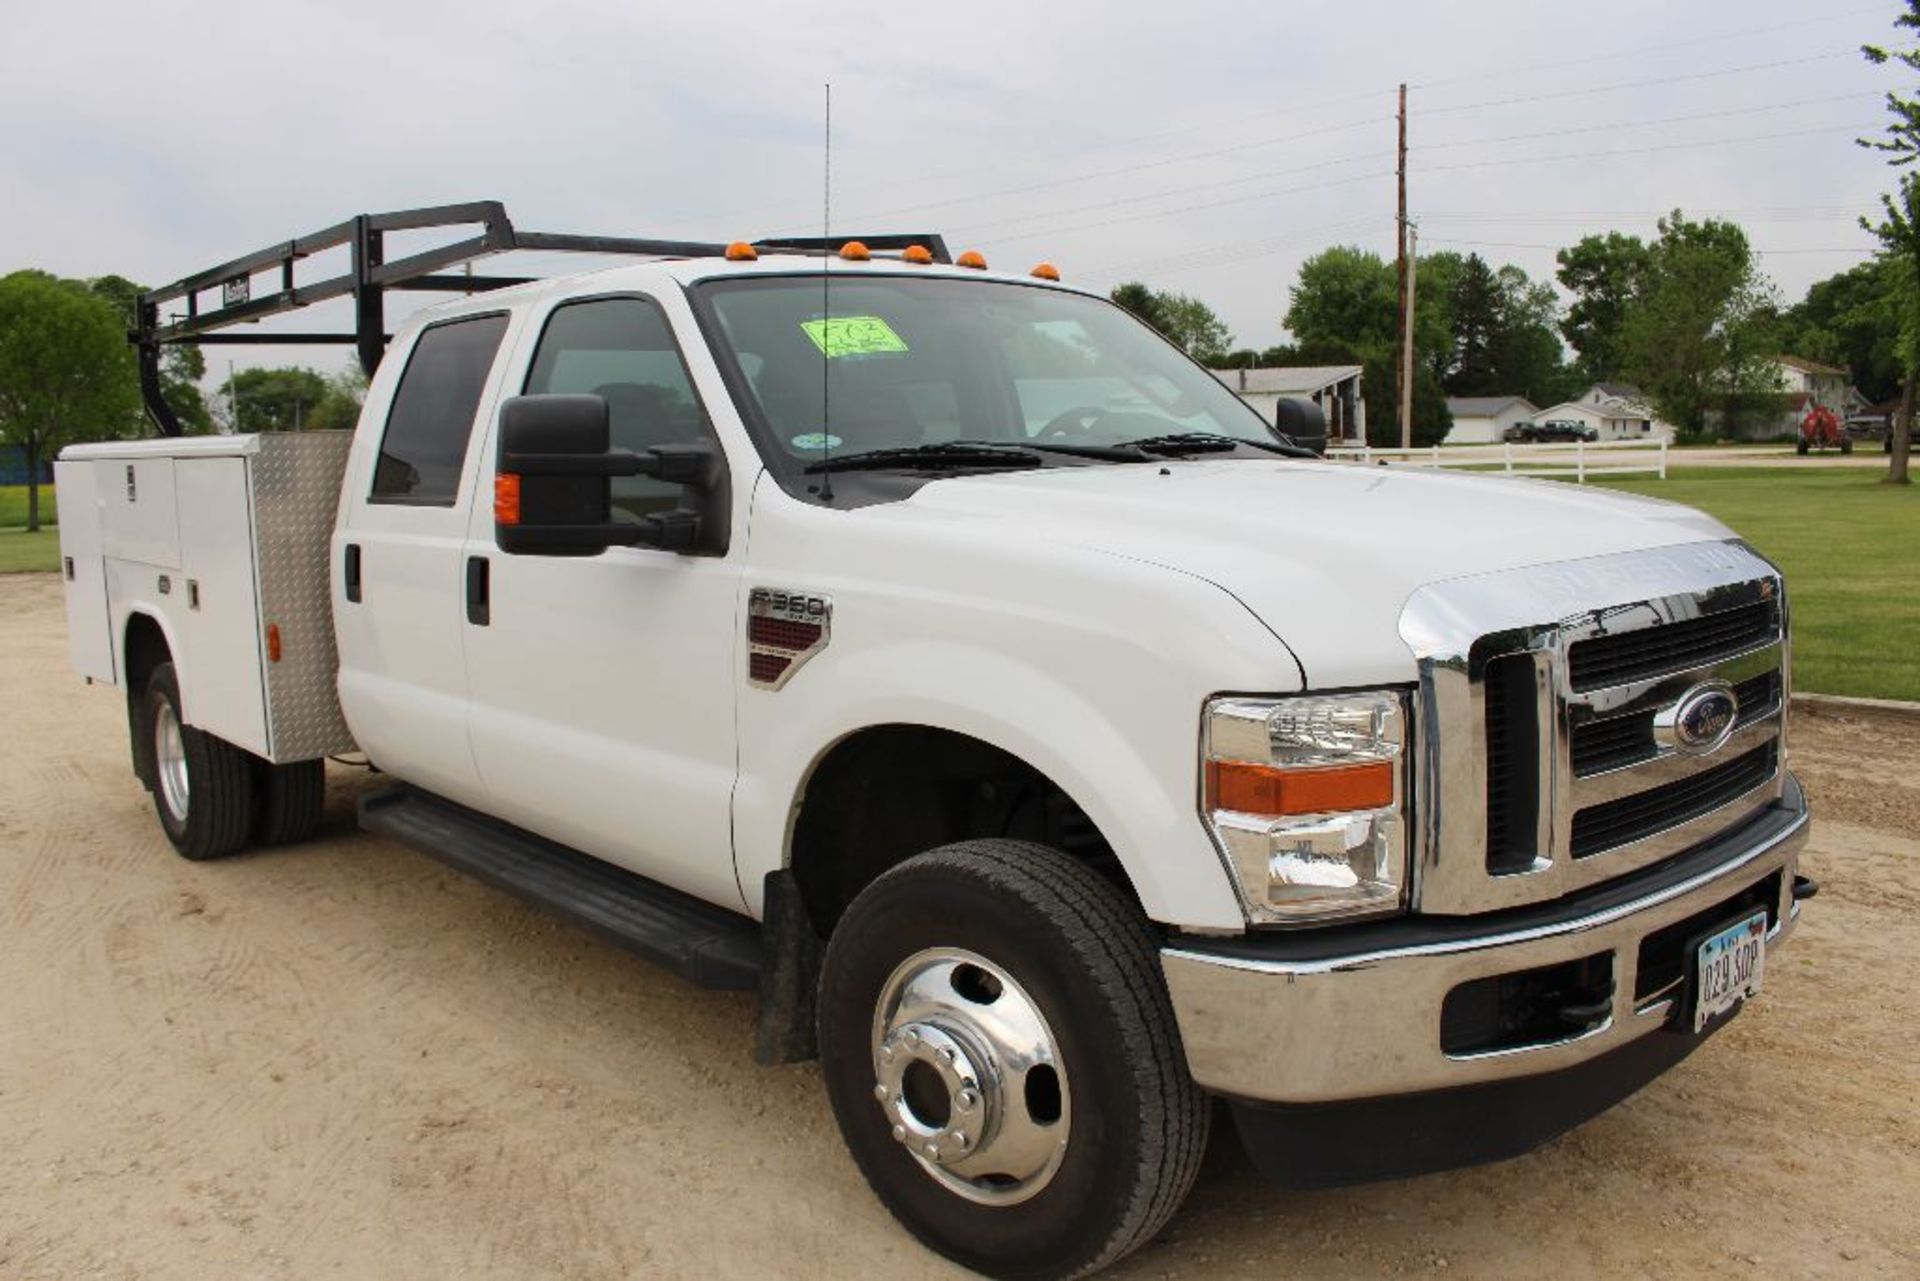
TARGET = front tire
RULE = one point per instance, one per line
(1001, 1055)
(202, 785)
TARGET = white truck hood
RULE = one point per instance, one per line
(1325, 553)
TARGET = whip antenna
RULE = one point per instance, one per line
(826, 308)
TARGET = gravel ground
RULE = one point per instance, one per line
(341, 1060)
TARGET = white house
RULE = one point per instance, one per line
(1335, 388)
(1478, 419)
(1614, 411)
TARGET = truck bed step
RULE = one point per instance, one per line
(704, 944)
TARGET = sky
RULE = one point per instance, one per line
(1204, 148)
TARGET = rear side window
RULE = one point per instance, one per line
(431, 421)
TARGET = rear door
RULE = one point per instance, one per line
(398, 592)
(603, 686)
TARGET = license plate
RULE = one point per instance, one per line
(1728, 967)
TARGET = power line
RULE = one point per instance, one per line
(1212, 204)
(1641, 84)
(1637, 151)
(1862, 250)
(1647, 124)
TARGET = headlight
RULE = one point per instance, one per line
(1304, 797)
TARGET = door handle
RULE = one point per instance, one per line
(479, 608)
(352, 572)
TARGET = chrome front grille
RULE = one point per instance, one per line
(1548, 759)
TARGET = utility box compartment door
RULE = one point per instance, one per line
(89, 633)
(215, 608)
(139, 517)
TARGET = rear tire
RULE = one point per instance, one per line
(1071, 1165)
(202, 785)
(290, 799)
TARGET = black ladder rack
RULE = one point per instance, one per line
(370, 275)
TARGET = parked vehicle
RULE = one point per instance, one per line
(1821, 430)
(1871, 427)
(944, 657)
(1565, 429)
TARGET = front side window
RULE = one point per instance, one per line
(431, 422)
(621, 350)
(922, 361)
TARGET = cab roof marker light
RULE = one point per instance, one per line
(1047, 271)
(854, 251)
(741, 251)
(972, 258)
(919, 255)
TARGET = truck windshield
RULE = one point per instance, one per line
(923, 362)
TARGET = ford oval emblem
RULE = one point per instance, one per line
(1702, 721)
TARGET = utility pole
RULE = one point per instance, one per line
(233, 399)
(1406, 338)
(1405, 286)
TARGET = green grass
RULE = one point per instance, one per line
(21, 551)
(13, 505)
(1850, 547)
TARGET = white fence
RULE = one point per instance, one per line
(1574, 460)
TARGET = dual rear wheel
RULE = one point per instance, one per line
(213, 798)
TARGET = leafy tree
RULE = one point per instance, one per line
(1142, 302)
(1603, 275)
(182, 366)
(1185, 321)
(1475, 303)
(1898, 231)
(1527, 356)
(1346, 299)
(288, 400)
(1193, 326)
(1849, 319)
(64, 370)
(1698, 335)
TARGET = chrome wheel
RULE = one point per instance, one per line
(970, 1076)
(170, 760)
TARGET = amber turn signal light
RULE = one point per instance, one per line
(506, 499)
(1262, 789)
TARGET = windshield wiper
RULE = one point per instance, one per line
(941, 454)
(1206, 442)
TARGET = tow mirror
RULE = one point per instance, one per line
(1303, 422)
(553, 485)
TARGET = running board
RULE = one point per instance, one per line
(704, 944)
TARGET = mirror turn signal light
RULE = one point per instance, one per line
(919, 255)
(1047, 271)
(741, 251)
(1261, 789)
(506, 499)
(972, 258)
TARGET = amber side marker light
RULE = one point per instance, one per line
(1047, 271)
(741, 251)
(972, 258)
(919, 255)
(273, 642)
(506, 499)
(1262, 789)
(854, 251)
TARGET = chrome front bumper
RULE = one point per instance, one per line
(1294, 1018)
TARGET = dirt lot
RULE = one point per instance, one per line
(341, 1060)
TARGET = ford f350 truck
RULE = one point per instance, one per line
(1053, 745)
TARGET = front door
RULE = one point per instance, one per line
(602, 687)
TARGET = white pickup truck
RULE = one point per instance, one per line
(1054, 745)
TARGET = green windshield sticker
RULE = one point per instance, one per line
(815, 441)
(853, 336)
